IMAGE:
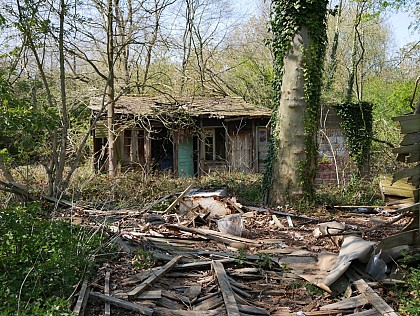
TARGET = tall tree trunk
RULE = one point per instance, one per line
(289, 129)
(59, 173)
(110, 93)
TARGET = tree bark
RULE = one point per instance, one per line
(110, 93)
(289, 129)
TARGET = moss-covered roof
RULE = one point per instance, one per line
(212, 107)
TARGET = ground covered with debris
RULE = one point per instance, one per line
(206, 254)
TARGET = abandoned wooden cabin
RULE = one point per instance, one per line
(189, 137)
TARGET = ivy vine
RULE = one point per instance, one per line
(287, 18)
(356, 122)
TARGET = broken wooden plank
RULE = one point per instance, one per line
(173, 312)
(314, 313)
(403, 238)
(106, 292)
(211, 302)
(348, 303)
(83, 296)
(408, 123)
(153, 278)
(407, 173)
(369, 312)
(149, 295)
(265, 210)
(174, 203)
(374, 299)
(123, 304)
(252, 310)
(227, 292)
(407, 149)
(214, 235)
(411, 138)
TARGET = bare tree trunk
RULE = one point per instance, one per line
(289, 130)
(59, 172)
(110, 93)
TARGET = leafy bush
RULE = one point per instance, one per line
(356, 192)
(40, 261)
(409, 298)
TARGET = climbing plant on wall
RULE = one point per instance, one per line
(288, 19)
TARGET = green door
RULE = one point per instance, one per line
(185, 158)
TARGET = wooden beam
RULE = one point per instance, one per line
(146, 284)
(410, 139)
(106, 292)
(123, 304)
(408, 149)
(83, 296)
(227, 292)
(375, 300)
(406, 173)
(174, 203)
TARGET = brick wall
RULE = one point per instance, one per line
(333, 156)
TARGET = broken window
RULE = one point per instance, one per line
(214, 144)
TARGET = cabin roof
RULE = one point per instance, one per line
(212, 107)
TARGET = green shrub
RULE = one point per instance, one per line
(40, 260)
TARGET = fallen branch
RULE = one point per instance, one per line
(265, 210)
(398, 218)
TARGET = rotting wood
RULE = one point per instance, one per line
(123, 304)
(153, 278)
(348, 303)
(265, 210)
(172, 312)
(174, 203)
(369, 312)
(106, 292)
(216, 236)
(253, 310)
(374, 299)
(210, 303)
(83, 296)
(406, 173)
(315, 313)
(227, 292)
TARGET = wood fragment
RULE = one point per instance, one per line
(277, 221)
(83, 296)
(210, 302)
(227, 292)
(172, 312)
(253, 310)
(348, 303)
(265, 210)
(174, 203)
(106, 292)
(123, 304)
(153, 278)
(370, 312)
(374, 299)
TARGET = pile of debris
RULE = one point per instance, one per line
(206, 254)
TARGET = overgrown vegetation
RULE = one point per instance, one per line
(409, 298)
(41, 260)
